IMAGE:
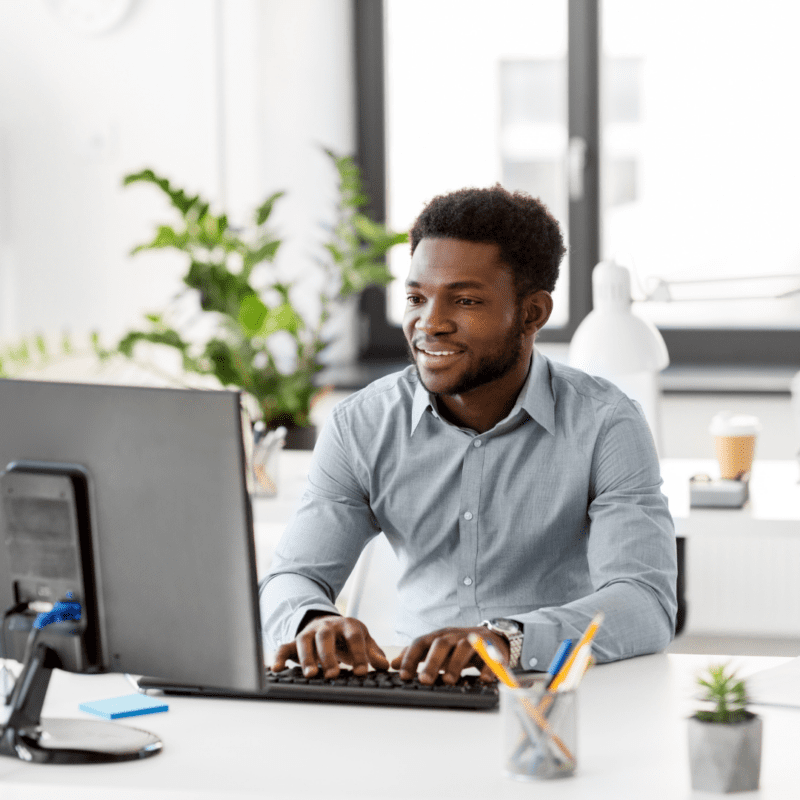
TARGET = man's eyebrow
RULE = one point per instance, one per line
(454, 285)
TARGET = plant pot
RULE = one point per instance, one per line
(301, 438)
(725, 757)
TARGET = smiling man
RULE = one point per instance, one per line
(521, 496)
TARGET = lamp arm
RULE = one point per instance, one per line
(662, 289)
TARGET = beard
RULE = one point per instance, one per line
(489, 368)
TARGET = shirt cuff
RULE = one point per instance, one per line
(299, 614)
(539, 645)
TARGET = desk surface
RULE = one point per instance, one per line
(632, 744)
(773, 507)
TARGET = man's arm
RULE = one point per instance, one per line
(631, 557)
(631, 553)
(318, 549)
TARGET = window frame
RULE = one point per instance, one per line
(381, 342)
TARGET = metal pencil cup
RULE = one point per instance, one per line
(539, 731)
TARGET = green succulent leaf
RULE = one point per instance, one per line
(726, 693)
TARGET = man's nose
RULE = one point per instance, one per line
(433, 319)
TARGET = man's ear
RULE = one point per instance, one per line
(537, 308)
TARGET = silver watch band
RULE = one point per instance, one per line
(513, 634)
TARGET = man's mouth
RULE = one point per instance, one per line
(431, 357)
(438, 352)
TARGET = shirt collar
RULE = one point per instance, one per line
(535, 397)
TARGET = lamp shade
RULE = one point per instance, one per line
(612, 341)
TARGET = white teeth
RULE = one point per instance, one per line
(439, 352)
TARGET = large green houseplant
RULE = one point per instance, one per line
(724, 739)
(231, 275)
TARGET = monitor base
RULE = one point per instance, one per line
(78, 741)
(28, 737)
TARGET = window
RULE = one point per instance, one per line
(694, 125)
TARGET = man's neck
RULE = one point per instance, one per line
(482, 408)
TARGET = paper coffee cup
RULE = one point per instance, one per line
(735, 441)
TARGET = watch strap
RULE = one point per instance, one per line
(514, 639)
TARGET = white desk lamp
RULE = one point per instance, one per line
(613, 342)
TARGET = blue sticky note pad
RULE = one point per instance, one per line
(129, 705)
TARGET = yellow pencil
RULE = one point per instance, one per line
(587, 637)
(509, 680)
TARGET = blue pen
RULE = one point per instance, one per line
(558, 659)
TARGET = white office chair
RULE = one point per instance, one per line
(370, 593)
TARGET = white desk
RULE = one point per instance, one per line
(741, 564)
(632, 745)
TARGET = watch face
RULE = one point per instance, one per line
(505, 625)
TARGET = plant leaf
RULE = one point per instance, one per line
(179, 199)
(265, 209)
(265, 252)
(165, 237)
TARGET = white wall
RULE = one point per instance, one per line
(227, 97)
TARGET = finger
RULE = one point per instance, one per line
(460, 657)
(325, 641)
(412, 656)
(282, 655)
(307, 654)
(398, 660)
(375, 655)
(438, 654)
(355, 637)
(487, 676)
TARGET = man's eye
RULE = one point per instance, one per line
(468, 301)
(413, 300)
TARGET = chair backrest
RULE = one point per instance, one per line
(371, 591)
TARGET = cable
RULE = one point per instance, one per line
(6, 672)
(61, 611)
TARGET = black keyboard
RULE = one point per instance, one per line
(378, 687)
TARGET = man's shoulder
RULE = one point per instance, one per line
(571, 382)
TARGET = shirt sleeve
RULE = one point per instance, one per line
(322, 540)
(631, 553)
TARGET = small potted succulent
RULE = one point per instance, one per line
(724, 739)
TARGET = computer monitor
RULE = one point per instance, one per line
(133, 502)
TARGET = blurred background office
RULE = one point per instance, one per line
(663, 136)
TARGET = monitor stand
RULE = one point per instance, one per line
(63, 741)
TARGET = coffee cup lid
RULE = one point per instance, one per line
(726, 423)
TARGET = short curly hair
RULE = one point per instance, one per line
(527, 233)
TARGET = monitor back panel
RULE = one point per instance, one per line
(172, 526)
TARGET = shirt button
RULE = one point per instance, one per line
(478, 443)
(468, 581)
(467, 515)
(533, 662)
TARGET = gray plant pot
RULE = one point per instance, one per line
(725, 757)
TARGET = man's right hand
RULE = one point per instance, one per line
(327, 641)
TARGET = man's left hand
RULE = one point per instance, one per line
(447, 650)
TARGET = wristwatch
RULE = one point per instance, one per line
(512, 632)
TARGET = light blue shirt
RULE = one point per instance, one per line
(550, 516)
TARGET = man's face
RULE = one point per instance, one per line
(462, 322)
